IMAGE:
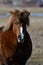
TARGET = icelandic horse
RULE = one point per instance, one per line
(15, 41)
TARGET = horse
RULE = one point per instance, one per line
(16, 44)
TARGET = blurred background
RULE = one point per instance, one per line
(36, 24)
(23, 3)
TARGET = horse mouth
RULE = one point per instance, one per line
(20, 39)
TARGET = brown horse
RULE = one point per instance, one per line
(15, 42)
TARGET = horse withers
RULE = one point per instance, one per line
(16, 44)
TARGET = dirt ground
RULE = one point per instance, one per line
(36, 33)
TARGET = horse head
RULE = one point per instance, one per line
(18, 21)
(24, 19)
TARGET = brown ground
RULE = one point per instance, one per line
(36, 33)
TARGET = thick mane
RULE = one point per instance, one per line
(1, 28)
(8, 25)
(10, 20)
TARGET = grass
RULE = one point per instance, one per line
(4, 9)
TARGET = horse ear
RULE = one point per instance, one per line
(14, 12)
(11, 12)
(27, 13)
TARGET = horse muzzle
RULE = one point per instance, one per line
(21, 35)
(21, 38)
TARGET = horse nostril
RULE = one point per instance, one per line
(20, 38)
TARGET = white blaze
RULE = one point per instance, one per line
(21, 32)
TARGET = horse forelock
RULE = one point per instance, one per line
(11, 19)
(23, 18)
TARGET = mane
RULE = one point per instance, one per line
(27, 21)
(10, 20)
(8, 25)
(1, 28)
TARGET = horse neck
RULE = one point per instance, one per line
(9, 47)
